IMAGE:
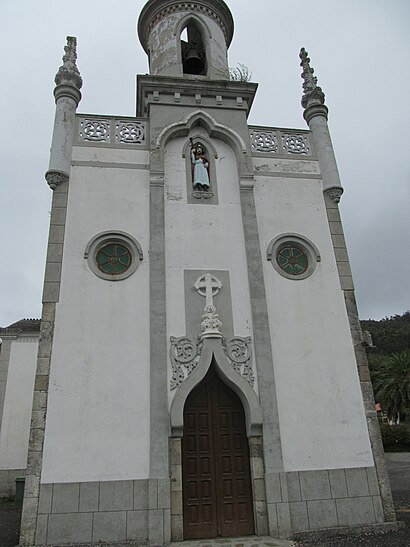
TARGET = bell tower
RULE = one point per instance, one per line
(186, 39)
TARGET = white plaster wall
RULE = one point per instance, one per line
(122, 156)
(321, 414)
(207, 237)
(98, 409)
(15, 424)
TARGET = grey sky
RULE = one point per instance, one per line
(359, 50)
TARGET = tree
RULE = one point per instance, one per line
(240, 73)
(391, 334)
(391, 383)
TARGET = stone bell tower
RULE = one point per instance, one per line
(198, 365)
(183, 39)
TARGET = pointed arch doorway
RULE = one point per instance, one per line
(216, 479)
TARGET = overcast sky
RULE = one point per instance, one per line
(359, 50)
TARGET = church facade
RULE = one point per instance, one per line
(200, 369)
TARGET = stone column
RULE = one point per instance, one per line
(315, 114)
(67, 95)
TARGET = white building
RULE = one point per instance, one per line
(200, 370)
(18, 358)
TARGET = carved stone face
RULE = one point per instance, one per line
(199, 150)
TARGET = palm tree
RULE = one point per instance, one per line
(391, 384)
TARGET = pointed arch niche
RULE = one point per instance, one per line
(202, 127)
(193, 46)
(200, 135)
(214, 129)
(213, 355)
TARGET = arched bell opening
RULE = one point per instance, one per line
(193, 52)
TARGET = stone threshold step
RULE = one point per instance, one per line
(248, 541)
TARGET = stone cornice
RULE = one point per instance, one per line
(190, 87)
(155, 10)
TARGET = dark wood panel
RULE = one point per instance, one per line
(217, 495)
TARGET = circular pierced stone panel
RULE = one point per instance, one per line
(293, 256)
(113, 255)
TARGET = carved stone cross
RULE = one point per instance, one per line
(207, 285)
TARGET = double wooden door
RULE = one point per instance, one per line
(217, 494)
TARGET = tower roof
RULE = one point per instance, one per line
(155, 9)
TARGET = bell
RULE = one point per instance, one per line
(193, 62)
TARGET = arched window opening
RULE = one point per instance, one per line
(193, 50)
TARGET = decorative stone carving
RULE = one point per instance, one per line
(202, 195)
(238, 351)
(95, 130)
(295, 144)
(209, 286)
(55, 178)
(335, 194)
(263, 141)
(102, 131)
(130, 132)
(210, 323)
(313, 94)
(68, 73)
(185, 355)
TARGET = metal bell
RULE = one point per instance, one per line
(193, 62)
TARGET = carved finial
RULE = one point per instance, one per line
(210, 323)
(68, 73)
(313, 94)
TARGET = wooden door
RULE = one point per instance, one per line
(217, 495)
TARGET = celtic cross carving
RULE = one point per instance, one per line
(263, 141)
(130, 132)
(207, 285)
(113, 132)
(295, 144)
(95, 130)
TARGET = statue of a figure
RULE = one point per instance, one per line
(200, 167)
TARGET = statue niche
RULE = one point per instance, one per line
(200, 168)
(193, 51)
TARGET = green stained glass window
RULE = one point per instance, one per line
(113, 258)
(292, 260)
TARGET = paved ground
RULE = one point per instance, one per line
(399, 472)
(10, 515)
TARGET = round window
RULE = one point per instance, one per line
(293, 256)
(113, 255)
(292, 260)
(113, 258)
